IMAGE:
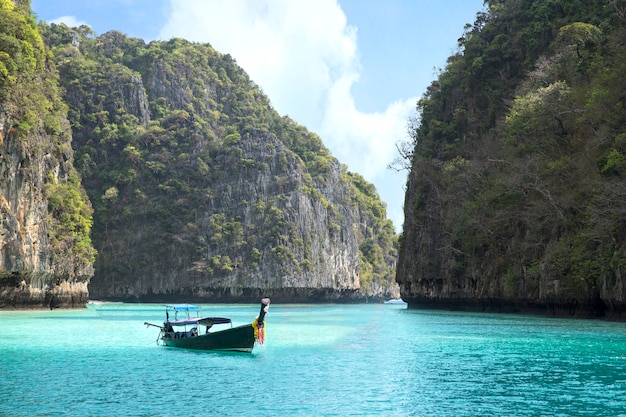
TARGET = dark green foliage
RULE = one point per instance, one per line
(71, 218)
(519, 156)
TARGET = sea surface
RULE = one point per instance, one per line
(318, 360)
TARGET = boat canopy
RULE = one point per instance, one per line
(205, 321)
(209, 321)
(182, 307)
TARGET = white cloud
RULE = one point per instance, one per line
(304, 56)
(366, 140)
(70, 21)
(295, 50)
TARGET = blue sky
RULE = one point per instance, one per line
(349, 70)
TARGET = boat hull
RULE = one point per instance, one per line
(238, 339)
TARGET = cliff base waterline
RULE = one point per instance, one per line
(19, 291)
(596, 309)
(247, 295)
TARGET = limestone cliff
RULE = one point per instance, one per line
(202, 191)
(515, 200)
(45, 254)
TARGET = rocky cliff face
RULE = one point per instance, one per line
(202, 192)
(515, 197)
(297, 257)
(39, 266)
(31, 274)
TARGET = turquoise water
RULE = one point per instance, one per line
(319, 360)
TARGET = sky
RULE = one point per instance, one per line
(351, 71)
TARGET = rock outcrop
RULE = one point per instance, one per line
(516, 192)
(200, 190)
(41, 265)
(211, 195)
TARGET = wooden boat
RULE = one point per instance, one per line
(199, 332)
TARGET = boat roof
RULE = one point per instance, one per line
(200, 320)
(182, 307)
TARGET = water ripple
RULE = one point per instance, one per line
(328, 360)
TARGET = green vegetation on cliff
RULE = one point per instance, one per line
(34, 131)
(516, 190)
(196, 181)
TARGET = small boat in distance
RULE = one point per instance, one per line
(398, 303)
(198, 333)
(395, 301)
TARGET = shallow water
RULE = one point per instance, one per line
(319, 360)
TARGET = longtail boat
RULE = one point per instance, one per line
(209, 333)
